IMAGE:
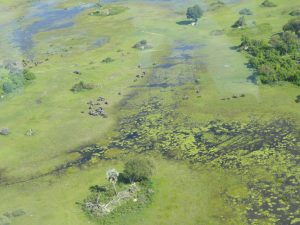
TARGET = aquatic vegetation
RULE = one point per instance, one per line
(109, 10)
(244, 147)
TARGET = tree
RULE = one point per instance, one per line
(7, 87)
(99, 4)
(194, 12)
(112, 176)
(28, 75)
(138, 169)
(286, 42)
(297, 99)
(293, 25)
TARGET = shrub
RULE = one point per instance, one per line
(107, 60)
(28, 75)
(7, 87)
(245, 12)
(194, 12)
(138, 169)
(295, 12)
(293, 25)
(143, 44)
(239, 23)
(268, 3)
(297, 99)
(81, 86)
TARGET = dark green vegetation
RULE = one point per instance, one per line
(138, 169)
(293, 26)
(245, 11)
(241, 22)
(297, 99)
(141, 45)
(81, 86)
(13, 77)
(268, 3)
(107, 60)
(295, 12)
(194, 13)
(277, 60)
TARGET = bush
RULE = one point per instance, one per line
(138, 169)
(7, 87)
(295, 12)
(297, 99)
(81, 86)
(143, 44)
(245, 12)
(268, 3)
(107, 60)
(293, 26)
(194, 12)
(239, 23)
(28, 75)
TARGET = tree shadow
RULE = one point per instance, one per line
(235, 48)
(184, 22)
(123, 179)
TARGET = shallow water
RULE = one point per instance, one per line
(46, 18)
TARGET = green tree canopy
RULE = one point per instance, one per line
(293, 25)
(138, 169)
(194, 12)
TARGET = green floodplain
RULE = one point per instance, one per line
(84, 87)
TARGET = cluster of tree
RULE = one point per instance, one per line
(13, 78)
(268, 3)
(278, 59)
(194, 13)
(82, 86)
(135, 170)
(128, 192)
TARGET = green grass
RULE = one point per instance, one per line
(183, 196)
(189, 196)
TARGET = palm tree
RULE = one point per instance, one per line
(112, 177)
(99, 4)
